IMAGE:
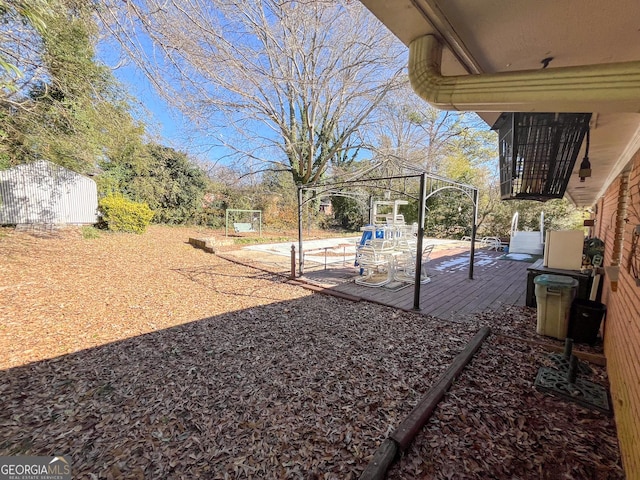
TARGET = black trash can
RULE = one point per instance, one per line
(584, 320)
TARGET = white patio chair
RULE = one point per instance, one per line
(374, 265)
(492, 243)
(406, 244)
(381, 245)
(405, 266)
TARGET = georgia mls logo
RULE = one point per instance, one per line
(62, 464)
(35, 468)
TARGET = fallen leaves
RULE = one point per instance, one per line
(142, 357)
(494, 424)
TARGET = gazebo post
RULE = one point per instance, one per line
(421, 212)
(473, 233)
(300, 256)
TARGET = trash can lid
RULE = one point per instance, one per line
(557, 281)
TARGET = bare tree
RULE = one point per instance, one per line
(411, 133)
(21, 65)
(284, 84)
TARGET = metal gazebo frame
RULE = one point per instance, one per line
(430, 184)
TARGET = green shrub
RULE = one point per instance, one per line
(123, 215)
(349, 212)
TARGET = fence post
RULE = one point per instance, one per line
(293, 262)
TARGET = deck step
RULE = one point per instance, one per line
(526, 242)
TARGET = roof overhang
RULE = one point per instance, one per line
(491, 61)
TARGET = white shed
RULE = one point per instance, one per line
(45, 193)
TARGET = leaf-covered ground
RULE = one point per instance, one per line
(142, 357)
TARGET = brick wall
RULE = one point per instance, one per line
(618, 214)
(607, 220)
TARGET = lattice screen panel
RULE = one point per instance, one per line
(538, 152)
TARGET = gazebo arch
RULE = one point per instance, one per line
(430, 185)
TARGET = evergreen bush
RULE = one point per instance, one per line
(123, 215)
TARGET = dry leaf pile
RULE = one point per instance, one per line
(61, 293)
(493, 423)
(282, 391)
(142, 357)
(276, 387)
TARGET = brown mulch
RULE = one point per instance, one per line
(143, 357)
(493, 423)
(60, 293)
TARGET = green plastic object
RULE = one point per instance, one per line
(555, 281)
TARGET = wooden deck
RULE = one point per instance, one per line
(450, 295)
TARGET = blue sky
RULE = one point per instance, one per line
(161, 114)
(162, 120)
(173, 128)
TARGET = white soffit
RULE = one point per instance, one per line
(507, 35)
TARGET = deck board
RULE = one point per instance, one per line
(451, 294)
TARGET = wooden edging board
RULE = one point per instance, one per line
(402, 436)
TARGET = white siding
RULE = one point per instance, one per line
(42, 192)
